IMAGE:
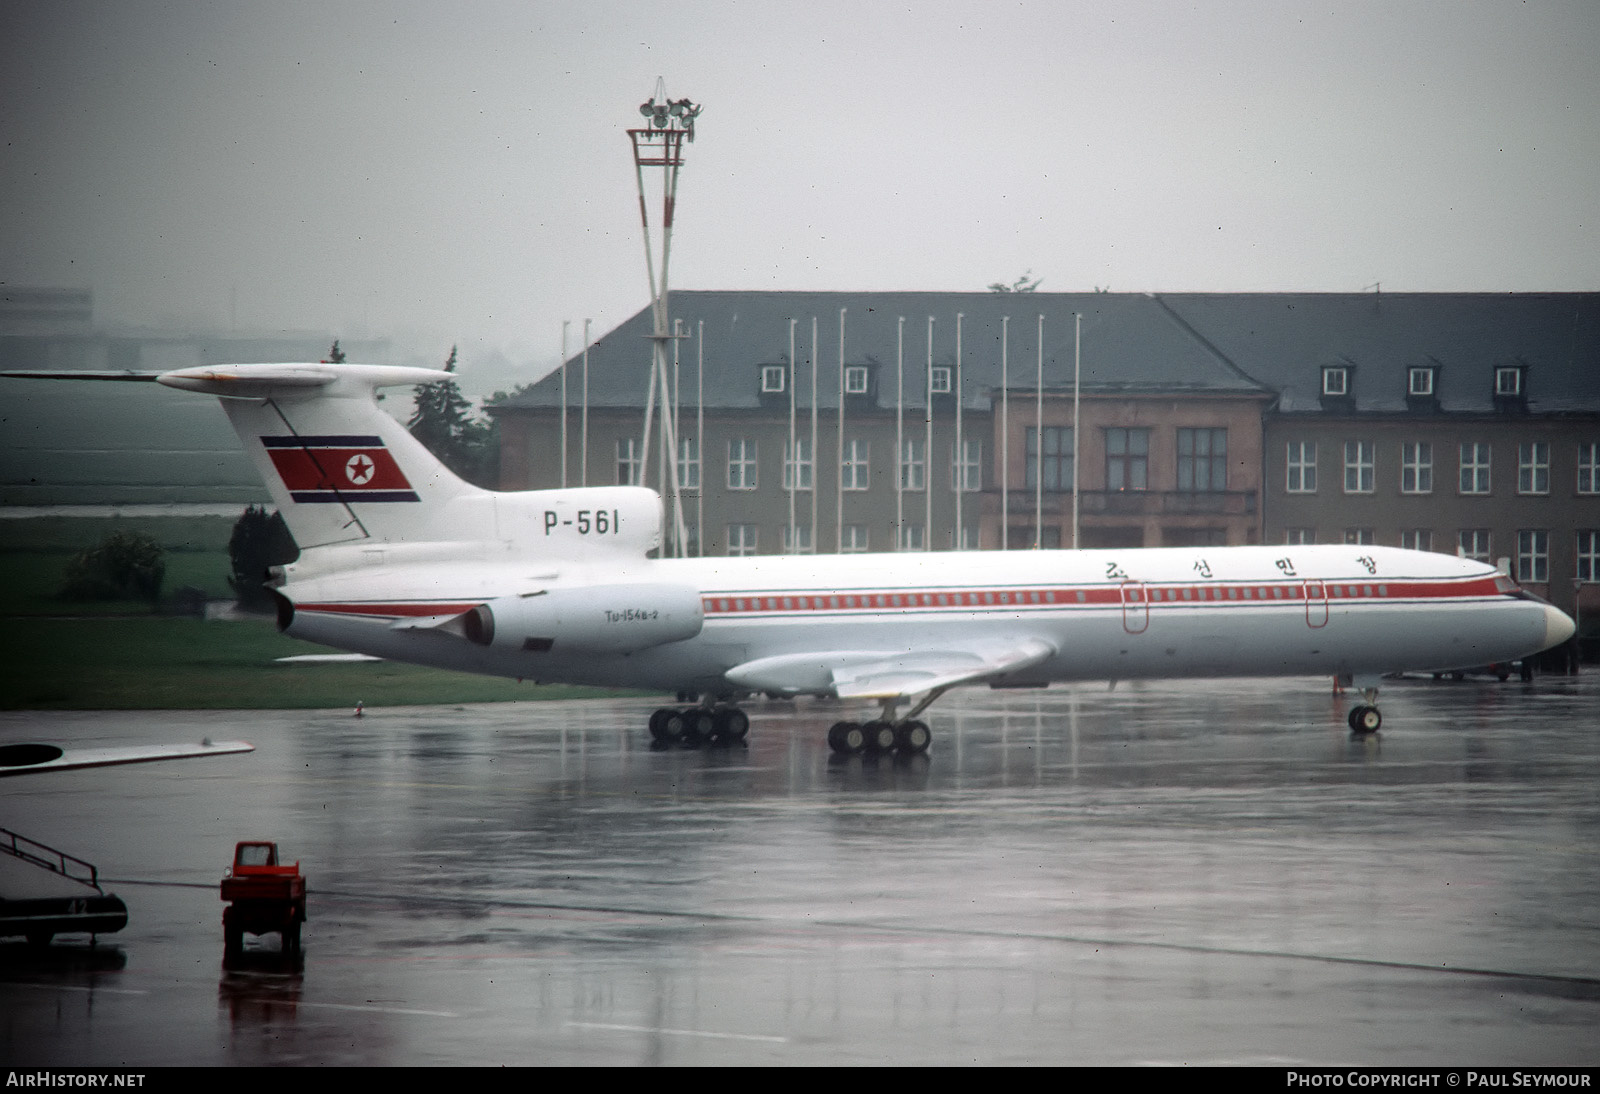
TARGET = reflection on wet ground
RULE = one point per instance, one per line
(1171, 873)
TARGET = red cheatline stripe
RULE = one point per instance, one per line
(1132, 593)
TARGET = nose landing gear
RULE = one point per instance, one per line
(1365, 717)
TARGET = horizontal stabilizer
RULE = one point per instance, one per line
(28, 759)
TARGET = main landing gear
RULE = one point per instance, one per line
(692, 726)
(906, 736)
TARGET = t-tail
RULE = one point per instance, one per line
(339, 468)
(343, 472)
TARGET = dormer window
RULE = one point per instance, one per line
(1419, 383)
(855, 380)
(1336, 380)
(939, 380)
(1508, 382)
(773, 378)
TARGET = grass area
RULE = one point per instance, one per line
(121, 655)
(155, 663)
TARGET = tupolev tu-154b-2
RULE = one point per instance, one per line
(401, 559)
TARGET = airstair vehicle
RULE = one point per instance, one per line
(45, 892)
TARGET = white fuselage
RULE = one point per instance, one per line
(1119, 614)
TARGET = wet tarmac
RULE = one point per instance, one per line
(1160, 874)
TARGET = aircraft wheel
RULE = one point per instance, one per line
(846, 738)
(1365, 719)
(666, 725)
(731, 724)
(880, 736)
(913, 738)
(698, 725)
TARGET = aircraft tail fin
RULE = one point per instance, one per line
(340, 469)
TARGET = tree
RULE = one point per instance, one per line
(125, 565)
(1021, 284)
(335, 355)
(258, 541)
(444, 422)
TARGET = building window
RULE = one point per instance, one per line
(966, 467)
(1473, 543)
(742, 464)
(1474, 468)
(963, 539)
(1202, 460)
(911, 537)
(1416, 467)
(802, 446)
(1297, 536)
(743, 539)
(1358, 467)
(689, 463)
(855, 380)
(1359, 535)
(1417, 539)
(797, 540)
(773, 379)
(1589, 469)
(853, 539)
(1588, 557)
(939, 380)
(1127, 459)
(1056, 462)
(1302, 478)
(629, 461)
(1533, 468)
(1508, 382)
(1419, 382)
(1533, 555)
(854, 475)
(912, 466)
(1336, 380)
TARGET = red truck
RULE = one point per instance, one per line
(264, 897)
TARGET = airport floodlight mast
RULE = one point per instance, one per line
(659, 144)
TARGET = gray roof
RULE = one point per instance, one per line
(1285, 339)
(1203, 343)
(1131, 342)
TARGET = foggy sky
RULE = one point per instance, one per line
(440, 172)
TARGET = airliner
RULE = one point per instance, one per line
(401, 559)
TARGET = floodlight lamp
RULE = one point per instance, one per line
(647, 108)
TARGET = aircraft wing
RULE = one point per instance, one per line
(29, 759)
(888, 674)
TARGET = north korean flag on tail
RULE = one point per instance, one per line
(344, 468)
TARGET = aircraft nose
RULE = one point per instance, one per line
(1558, 626)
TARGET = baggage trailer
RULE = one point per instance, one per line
(265, 896)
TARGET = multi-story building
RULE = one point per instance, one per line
(912, 421)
